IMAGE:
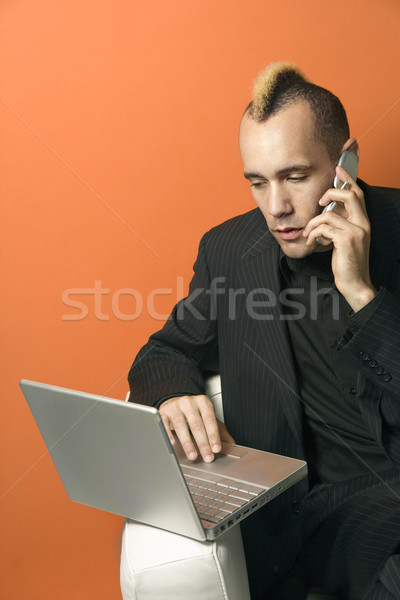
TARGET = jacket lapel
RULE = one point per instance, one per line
(260, 271)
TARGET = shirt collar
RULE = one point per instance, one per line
(318, 264)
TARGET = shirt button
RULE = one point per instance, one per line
(364, 356)
(386, 377)
(296, 507)
(372, 363)
(379, 370)
(353, 391)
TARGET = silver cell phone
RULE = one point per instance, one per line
(349, 162)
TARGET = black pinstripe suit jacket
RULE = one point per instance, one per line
(231, 321)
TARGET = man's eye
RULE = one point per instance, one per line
(296, 178)
(257, 184)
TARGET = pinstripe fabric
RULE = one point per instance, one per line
(357, 545)
(390, 575)
(221, 326)
(380, 592)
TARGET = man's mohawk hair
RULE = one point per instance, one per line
(272, 81)
(281, 84)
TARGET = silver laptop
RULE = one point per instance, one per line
(116, 456)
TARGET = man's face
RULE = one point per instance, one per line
(289, 171)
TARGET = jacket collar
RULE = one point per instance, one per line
(383, 207)
(260, 240)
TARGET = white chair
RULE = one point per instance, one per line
(159, 565)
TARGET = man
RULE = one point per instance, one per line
(299, 311)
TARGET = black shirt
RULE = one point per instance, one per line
(338, 443)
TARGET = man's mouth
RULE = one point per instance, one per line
(289, 233)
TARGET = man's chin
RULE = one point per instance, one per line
(297, 250)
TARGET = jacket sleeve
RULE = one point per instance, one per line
(375, 351)
(172, 361)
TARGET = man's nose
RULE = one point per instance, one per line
(279, 202)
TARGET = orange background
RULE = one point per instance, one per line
(119, 124)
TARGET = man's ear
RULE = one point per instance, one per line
(352, 146)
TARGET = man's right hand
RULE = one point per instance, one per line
(194, 415)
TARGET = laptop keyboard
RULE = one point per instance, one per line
(216, 500)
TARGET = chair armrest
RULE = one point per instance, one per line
(159, 564)
(213, 390)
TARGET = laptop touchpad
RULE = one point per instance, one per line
(228, 456)
(232, 450)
